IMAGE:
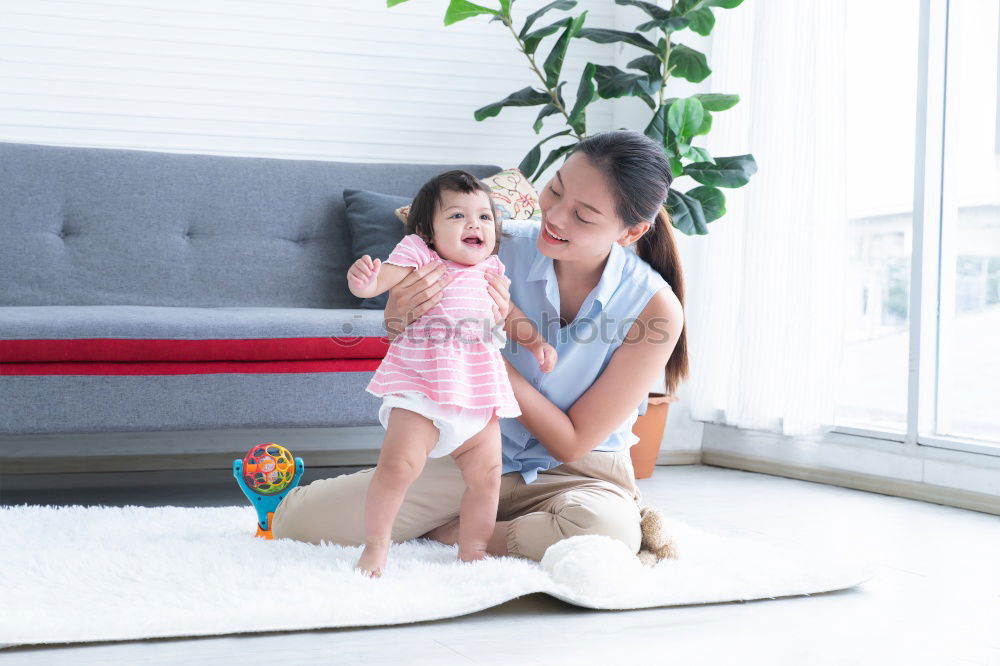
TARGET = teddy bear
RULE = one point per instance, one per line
(656, 544)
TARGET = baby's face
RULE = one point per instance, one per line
(464, 229)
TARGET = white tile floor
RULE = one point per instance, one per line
(935, 600)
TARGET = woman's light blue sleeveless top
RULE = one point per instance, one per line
(585, 346)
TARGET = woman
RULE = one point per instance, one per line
(616, 318)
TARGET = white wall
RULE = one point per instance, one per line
(320, 79)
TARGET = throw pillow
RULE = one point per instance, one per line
(374, 230)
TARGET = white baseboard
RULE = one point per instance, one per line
(953, 478)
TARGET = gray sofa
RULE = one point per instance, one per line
(146, 291)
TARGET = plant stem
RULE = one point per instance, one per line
(534, 67)
(666, 53)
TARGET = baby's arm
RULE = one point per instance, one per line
(521, 329)
(367, 278)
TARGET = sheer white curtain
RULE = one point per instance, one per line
(765, 304)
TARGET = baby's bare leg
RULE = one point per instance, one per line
(479, 460)
(409, 437)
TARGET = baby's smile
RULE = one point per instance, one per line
(473, 238)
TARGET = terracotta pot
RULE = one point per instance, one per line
(649, 429)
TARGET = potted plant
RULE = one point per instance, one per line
(648, 428)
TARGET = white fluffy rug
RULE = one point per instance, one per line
(78, 574)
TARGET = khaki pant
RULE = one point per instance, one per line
(594, 495)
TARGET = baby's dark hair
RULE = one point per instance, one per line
(420, 219)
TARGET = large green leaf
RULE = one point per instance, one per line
(716, 102)
(688, 63)
(652, 9)
(713, 201)
(547, 110)
(699, 154)
(663, 18)
(684, 6)
(534, 16)
(732, 171)
(553, 64)
(606, 36)
(393, 3)
(534, 38)
(554, 155)
(725, 4)
(676, 166)
(686, 213)
(701, 20)
(459, 10)
(523, 97)
(672, 24)
(529, 164)
(613, 82)
(585, 94)
(657, 127)
(650, 64)
(706, 125)
(685, 117)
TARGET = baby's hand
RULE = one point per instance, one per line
(362, 277)
(546, 356)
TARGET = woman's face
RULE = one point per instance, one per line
(577, 206)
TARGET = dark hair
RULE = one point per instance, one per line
(639, 177)
(420, 219)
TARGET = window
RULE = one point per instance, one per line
(924, 209)
(881, 96)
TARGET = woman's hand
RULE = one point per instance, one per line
(499, 288)
(414, 295)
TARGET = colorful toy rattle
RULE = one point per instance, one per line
(265, 475)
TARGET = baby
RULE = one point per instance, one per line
(443, 381)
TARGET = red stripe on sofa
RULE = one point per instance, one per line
(196, 368)
(117, 350)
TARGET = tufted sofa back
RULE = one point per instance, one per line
(95, 226)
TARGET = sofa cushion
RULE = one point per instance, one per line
(50, 339)
(375, 230)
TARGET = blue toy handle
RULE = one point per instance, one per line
(266, 504)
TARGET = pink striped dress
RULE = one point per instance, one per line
(451, 353)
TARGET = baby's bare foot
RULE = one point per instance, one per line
(372, 560)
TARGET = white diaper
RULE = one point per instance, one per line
(455, 424)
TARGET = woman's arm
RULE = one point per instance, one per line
(414, 295)
(626, 380)
(419, 291)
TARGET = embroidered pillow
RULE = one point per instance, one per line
(515, 197)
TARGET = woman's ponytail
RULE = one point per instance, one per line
(658, 248)
(639, 176)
